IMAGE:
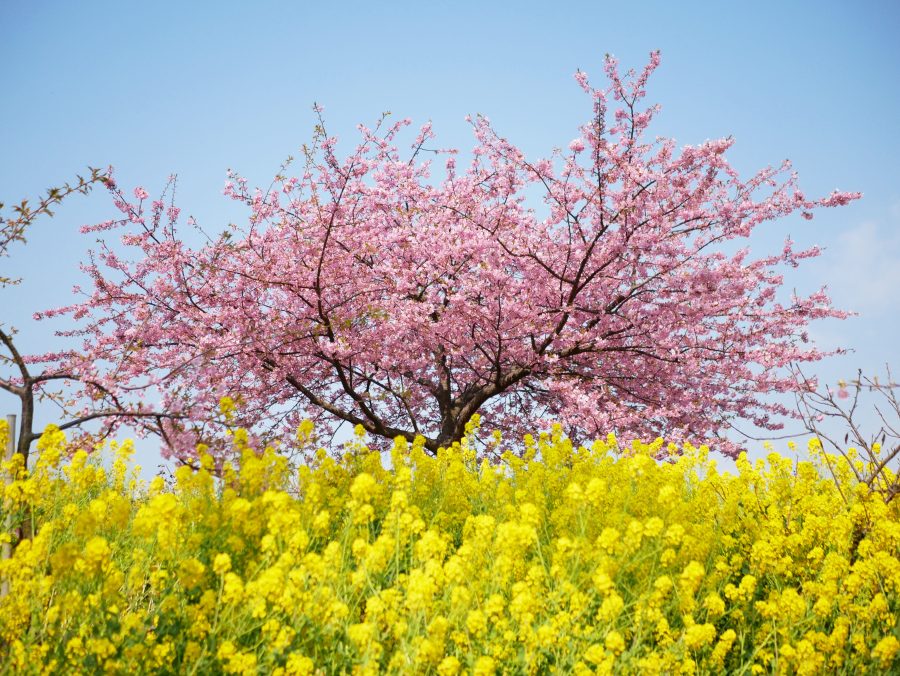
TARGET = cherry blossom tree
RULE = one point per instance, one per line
(403, 293)
(20, 374)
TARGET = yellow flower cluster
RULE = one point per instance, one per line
(595, 559)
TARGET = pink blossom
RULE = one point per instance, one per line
(366, 291)
(582, 79)
(140, 193)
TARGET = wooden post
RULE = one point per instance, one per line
(11, 442)
(9, 452)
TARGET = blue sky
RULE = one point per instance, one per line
(196, 88)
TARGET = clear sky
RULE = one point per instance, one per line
(194, 88)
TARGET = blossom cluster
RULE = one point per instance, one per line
(610, 283)
(594, 559)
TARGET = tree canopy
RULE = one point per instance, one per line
(403, 293)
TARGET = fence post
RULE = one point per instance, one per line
(11, 441)
(9, 452)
